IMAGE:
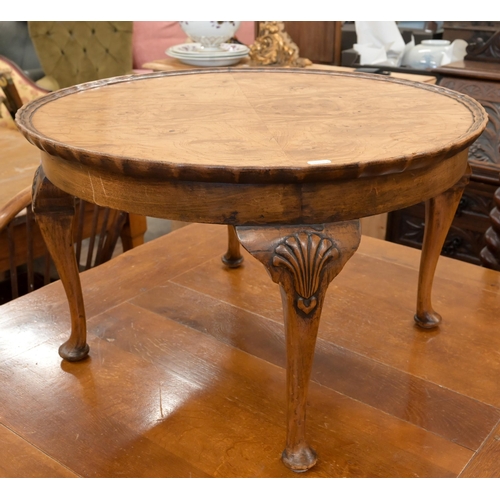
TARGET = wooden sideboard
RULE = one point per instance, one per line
(475, 233)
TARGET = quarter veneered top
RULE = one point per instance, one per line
(253, 125)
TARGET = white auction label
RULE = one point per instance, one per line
(319, 162)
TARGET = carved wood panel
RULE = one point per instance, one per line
(466, 237)
(486, 148)
(485, 48)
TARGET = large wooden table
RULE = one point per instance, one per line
(186, 375)
(288, 159)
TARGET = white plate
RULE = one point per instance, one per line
(203, 61)
(196, 50)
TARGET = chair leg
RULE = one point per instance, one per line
(303, 260)
(54, 211)
(439, 214)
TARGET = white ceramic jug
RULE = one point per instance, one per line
(434, 53)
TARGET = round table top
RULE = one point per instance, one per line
(253, 125)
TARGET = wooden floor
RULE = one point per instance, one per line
(186, 375)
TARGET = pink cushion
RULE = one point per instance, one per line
(246, 32)
(150, 39)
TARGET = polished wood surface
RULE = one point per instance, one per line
(186, 375)
(19, 160)
(303, 262)
(373, 226)
(173, 123)
(439, 212)
(292, 157)
(477, 70)
(24, 460)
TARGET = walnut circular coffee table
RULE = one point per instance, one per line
(289, 159)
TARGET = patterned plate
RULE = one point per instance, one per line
(207, 61)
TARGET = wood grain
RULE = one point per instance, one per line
(430, 406)
(18, 163)
(485, 463)
(238, 154)
(302, 260)
(174, 125)
(21, 459)
(186, 377)
(370, 283)
(247, 203)
(55, 210)
(439, 213)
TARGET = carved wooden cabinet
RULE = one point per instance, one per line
(475, 233)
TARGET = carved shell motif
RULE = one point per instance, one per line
(305, 256)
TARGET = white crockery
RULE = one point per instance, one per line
(196, 50)
(207, 61)
(210, 33)
(434, 53)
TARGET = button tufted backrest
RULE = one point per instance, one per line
(75, 52)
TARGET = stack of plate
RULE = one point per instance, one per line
(226, 54)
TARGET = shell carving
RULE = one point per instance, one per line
(305, 256)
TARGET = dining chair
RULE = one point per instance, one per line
(23, 252)
(22, 248)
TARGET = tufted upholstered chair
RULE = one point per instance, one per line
(73, 52)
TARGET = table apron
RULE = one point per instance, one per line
(256, 204)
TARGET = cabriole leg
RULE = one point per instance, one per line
(439, 214)
(54, 210)
(303, 260)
